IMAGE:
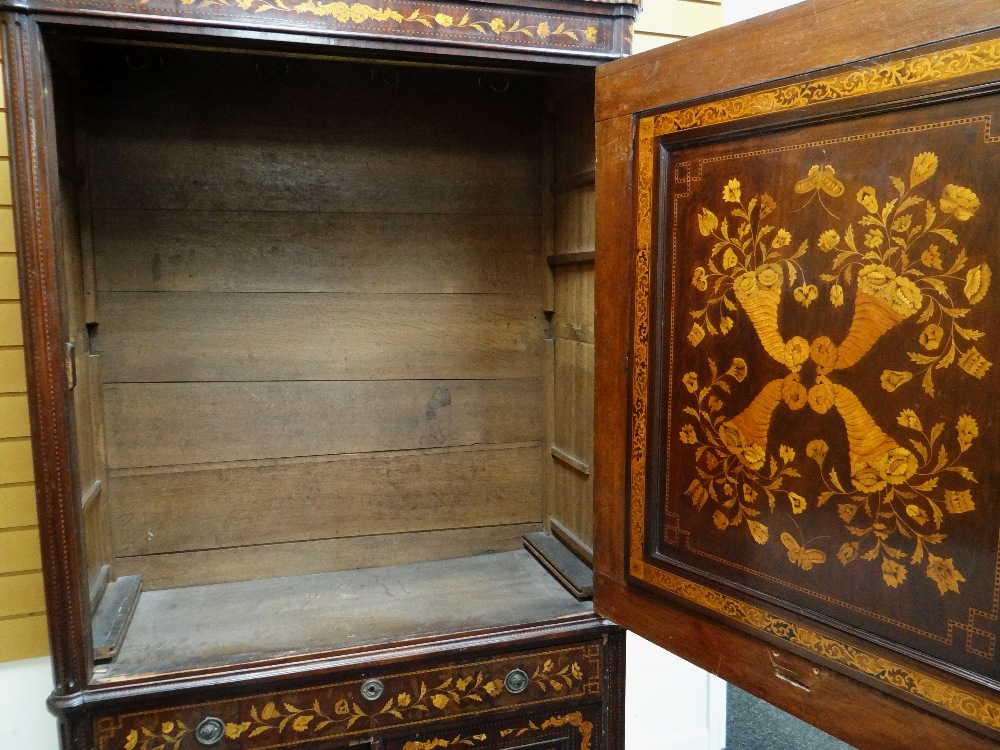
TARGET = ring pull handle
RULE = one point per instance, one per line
(371, 690)
(516, 681)
(211, 730)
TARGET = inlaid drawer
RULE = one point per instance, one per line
(561, 730)
(362, 707)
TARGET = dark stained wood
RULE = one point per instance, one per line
(613, 275)
(842, 706)
(809, 35)
(113, 614)
(569, 570)
(33, 172)
(221, 565)
(806, 39)
(325, 498)
(178, 423)
(188, 185)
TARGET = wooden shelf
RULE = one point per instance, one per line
(228, 623)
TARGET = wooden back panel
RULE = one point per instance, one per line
(320, 305)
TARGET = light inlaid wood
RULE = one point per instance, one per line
(21, 594)
(23, 637)
(21, 550)
(15, 461)
(14, 416)
(191, 423)
(17, 506)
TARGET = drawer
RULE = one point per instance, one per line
(363, 707)
(571, 729)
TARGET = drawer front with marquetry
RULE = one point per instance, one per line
(561, 730)
(363, 707)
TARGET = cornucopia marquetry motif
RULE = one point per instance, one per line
(807, 421)
(894, 512)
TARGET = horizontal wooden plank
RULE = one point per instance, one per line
(238, 251)
(197, 336)
(17, 506)
(7, 230)
(209, 165)
(324, 499)
(8, 276)
(21, 594)
(20, 551)
(680, 17)
(12, 377)
(4, 147)
(14, 416)
(298, 558)
(15, 461)
(190, 423)
(10, 323)
(23, 637)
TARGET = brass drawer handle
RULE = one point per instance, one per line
(516, 681)
(371, 690)
(210, 731)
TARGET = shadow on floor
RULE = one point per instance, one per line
(752, 724)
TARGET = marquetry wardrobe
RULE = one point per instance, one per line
(333, 444)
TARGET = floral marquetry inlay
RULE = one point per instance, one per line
(339, 710)
(813, 341)
(907, 269)
(360, 14)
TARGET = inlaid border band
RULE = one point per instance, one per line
(887, 76)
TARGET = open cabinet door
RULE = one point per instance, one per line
(797, 482)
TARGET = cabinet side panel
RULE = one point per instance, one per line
(570, 507)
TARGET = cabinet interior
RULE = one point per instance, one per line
(332, 326)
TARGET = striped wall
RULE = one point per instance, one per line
(22, 617)
(22, 609)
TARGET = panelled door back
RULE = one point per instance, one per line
(812, 446)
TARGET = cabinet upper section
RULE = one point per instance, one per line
(578, 32)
